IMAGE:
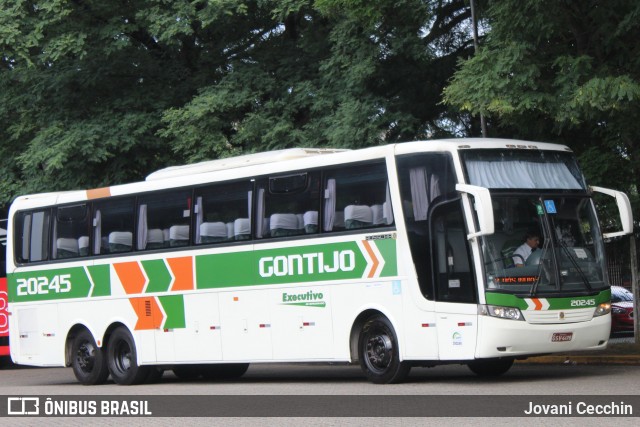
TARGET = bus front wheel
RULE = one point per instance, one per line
(378, 352)
(123, 359)
(490, 367)
(88, 360)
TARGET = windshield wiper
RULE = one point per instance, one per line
(566, 250)
(534, 287)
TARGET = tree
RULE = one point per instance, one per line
(98, 93)
(567, 72)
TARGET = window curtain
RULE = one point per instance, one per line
(329, 205)
(260, 226)
(142, 227)
(54, 249)
(199, 218)
(419, 196)
(521, 174)
(97, 233)
(387, 211)
(434, 187)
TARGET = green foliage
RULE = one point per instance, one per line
(561, 71)
(94, 93)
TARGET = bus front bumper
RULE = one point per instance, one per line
(511, 338)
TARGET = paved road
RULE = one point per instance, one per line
(546, 381)
(271, 379)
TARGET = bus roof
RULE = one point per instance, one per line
(240, 161)
(177, 175)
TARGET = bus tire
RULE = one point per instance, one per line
(490, 367)
(224, 371)
(122, 358)
(88, 360)
(378, 352)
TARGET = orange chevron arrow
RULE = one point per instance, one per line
(373, 257)
(149, 314)
(131, 276)
(538, 303)
(182, 269)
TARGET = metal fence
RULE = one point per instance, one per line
(619, 262)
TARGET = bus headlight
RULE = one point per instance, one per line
(511, 313)
(602, 309)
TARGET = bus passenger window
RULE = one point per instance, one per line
(288, 205)
(222, 212)
(32, 236)
(357, 197)
(164, 220)
(113, 225)
(71, 232)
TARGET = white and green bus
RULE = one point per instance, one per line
(392, 257)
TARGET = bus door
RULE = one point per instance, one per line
(455, 292)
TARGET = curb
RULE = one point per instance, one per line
(583, 360)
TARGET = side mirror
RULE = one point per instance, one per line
(483, 207)
(624, 208)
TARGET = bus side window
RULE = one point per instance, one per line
(223, 212)
(32, 236)
(113, 222)
(288, 205)
(357, 197)
(71, 232)
(164, 220)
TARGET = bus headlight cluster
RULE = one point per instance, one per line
(511, 313)
(602, 309)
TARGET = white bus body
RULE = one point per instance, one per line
(393, 256)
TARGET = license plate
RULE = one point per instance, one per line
(561, 336)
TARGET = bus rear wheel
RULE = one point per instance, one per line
(490, 367)
(378, 352)
(122, 359)
(88, 360)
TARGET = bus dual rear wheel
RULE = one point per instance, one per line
(379, 353)
(88, 361)
(122, 359)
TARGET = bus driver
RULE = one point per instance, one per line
(520, 255)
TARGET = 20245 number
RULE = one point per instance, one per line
(42, 285)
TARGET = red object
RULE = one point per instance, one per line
(621, 310)
(4, 318)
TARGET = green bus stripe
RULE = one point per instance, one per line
(158, 274)
(173, 306)
(101, 277)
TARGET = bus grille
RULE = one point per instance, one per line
(559, 316)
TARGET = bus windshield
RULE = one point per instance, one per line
(523, 169)
(567, 255)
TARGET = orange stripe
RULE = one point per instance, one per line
(96, 193)
(182, 269)
(538, 303)
(376, 263)
(149, 314)
(131, 276)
